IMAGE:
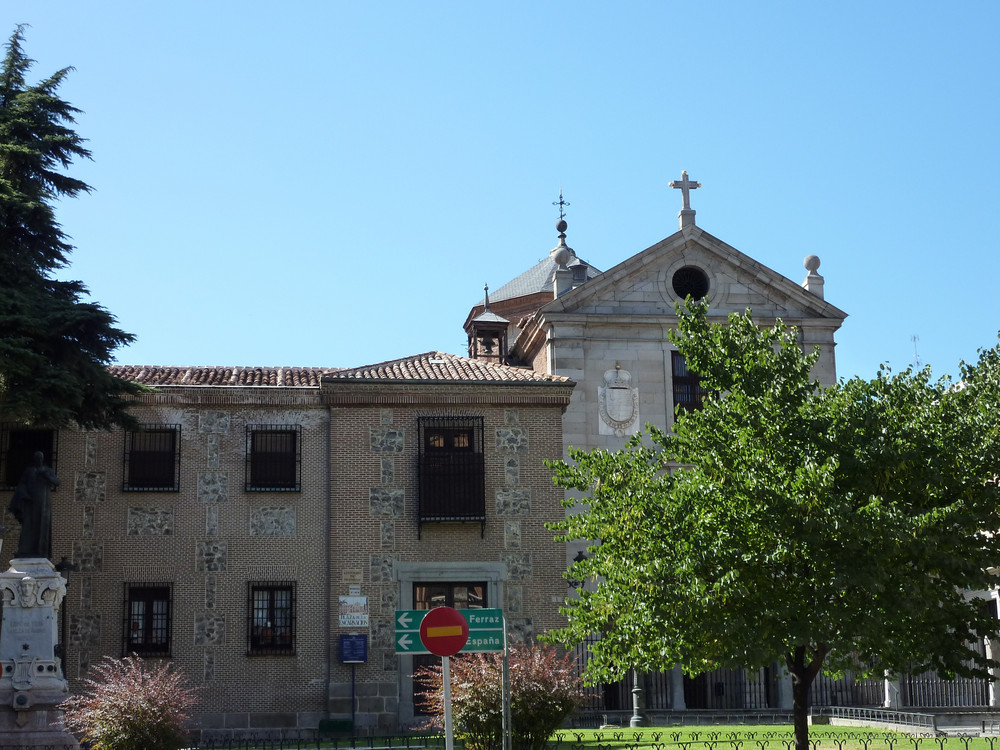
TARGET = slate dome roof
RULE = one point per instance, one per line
(541, 276)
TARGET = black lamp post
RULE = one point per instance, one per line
(638, 702)
(572, 582)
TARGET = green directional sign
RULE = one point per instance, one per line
(483, 640)
(407, 636)
(485, 630)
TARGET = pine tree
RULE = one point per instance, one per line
(54, 344)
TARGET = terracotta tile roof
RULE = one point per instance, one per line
(287, 377)
(441, 367)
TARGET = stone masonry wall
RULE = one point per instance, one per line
(206, 542)
(353, 524)
(374, 459)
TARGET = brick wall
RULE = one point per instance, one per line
(352, 523)
(206, 541)
(375, 530)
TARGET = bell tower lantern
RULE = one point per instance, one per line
(488, 334)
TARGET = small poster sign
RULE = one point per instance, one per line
(354, 611)
(354, 648)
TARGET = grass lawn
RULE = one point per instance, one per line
(710, 737)
(745, 737)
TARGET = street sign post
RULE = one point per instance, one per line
(446, 631)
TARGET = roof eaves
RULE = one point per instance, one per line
(443, 381)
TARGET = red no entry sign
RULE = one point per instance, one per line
(444, 631)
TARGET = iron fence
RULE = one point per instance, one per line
(756, 689)
(914, 733)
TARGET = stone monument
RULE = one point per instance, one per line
(32, 683)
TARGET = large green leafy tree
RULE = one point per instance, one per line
(54, 345)
(829, 527)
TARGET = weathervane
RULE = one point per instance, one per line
(561, 203)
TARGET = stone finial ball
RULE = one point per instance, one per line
(561, 226)
(561, 255)
(811, 263)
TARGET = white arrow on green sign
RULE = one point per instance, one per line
(408, 631)
(485, 630)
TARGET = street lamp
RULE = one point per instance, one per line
(572, 582)
(638, 702)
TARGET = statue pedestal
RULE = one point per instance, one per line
(31, 677)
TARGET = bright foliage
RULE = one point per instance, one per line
(544, 687)
(830, 527)
(129, 704)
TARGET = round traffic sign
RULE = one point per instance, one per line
(444, 631)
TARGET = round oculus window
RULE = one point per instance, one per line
(690, 281)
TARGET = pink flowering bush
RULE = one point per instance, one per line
(544, 690)
(129, 704)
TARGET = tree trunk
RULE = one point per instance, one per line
(803, 675)
(800, 709)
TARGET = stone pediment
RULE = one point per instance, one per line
(643, 284)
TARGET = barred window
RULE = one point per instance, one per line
(449, 438)
(452, 469)
(17, 448)
(146, 629)
(274, 460)
(152, 458)
(271, 617)
(689, 393)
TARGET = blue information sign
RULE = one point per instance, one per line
(354, 649)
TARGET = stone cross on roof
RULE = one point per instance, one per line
(685, 186)
(686, 216)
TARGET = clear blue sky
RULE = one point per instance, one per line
(332, 183)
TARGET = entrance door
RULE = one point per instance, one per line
(428, 595)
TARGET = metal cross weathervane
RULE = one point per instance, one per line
(562, 204)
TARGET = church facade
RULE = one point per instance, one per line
(607, 331)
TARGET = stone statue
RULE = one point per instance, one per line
(32, 507)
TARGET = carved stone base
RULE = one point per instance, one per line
(31, 678)
(31, 728)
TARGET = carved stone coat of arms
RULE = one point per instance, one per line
(618, 404)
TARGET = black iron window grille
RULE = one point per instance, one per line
(152, 458)
(689, 393)
(452, 470)
(274, 459)
(146, 627)
(17, 448)
(271, 617)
